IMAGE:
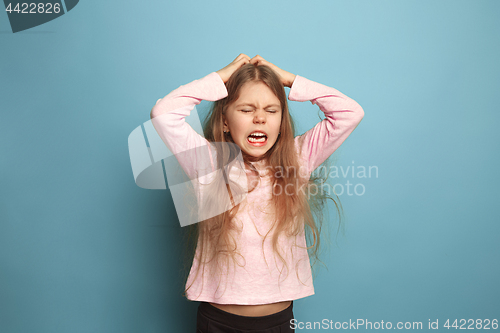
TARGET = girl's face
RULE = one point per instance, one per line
(257, 111)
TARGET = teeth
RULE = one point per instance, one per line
(262, 139)
(258, 134)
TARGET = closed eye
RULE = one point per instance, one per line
(270, 111)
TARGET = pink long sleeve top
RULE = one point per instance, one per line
(259, 280)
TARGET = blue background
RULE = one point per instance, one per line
(84, 249)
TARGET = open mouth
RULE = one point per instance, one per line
(257, 138)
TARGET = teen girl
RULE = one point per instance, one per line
(252, 261)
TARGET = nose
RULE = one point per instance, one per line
(260, 117)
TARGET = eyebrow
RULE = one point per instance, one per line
(250, 104)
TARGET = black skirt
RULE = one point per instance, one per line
(214, 320)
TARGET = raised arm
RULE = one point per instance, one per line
(168, 118)
(169, 113)
(342, 113)
(210, 88)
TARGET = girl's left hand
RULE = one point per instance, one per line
(287, 78)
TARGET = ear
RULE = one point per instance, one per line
(225, 127)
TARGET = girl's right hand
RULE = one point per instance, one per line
(227, 71)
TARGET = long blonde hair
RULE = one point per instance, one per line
(214, 237)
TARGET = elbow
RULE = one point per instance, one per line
(154, 111)
(359, 112)
(153, 114)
